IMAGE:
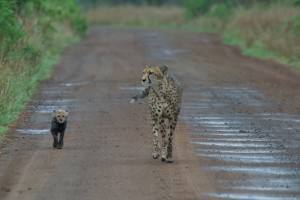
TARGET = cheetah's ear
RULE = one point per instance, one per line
(164, 69)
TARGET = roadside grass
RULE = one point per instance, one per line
(257, 50)
(267, 32)
(19, 84)
(30, 45)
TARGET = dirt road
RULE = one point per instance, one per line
(238, 135)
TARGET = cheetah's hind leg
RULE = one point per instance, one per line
(164, 141)
(169, 141)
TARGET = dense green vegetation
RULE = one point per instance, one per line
(32, 35)
(130, 2)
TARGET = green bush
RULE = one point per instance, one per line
(196, 7)
(219, 10)
(57, 11)
(11, 31)
(296, 2)
(296, 23)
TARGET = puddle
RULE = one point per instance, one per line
(240, 151)
(33, 131)
(240, 140)
(132, 88)
(203, 105)
(56, 101)
(75, 84)
(272, 188)
(47, 106)
(253, 170)
(250, 145)
(43, 109)
(221, 133)
(56, 92)
(49, 109)
(261, 159)
(251, 196)
(232, 144)
(266, 185)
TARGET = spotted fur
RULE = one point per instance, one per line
(58, 126)
(164, 93)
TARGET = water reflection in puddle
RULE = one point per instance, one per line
(288, 184)
(56, 92)
(132, 88)
(56, 101)
(244, 144)
(240, 151)
(251, 196)
(48, 105)
(283, 171)
(72, 84)
(33, 131)
(246, 158)
(232, 144)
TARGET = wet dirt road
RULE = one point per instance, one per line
(238, 136)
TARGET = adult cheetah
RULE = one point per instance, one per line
(165, 93)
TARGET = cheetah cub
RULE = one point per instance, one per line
(164, 95)
(58, 125)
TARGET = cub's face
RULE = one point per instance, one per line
(61, 115)
(152, 74)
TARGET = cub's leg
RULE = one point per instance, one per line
(55, 140)
(155, 131)
(61, 140)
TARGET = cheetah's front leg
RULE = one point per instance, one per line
(155, 131)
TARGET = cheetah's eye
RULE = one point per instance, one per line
(63, 116)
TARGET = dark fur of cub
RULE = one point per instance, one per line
(58, 126)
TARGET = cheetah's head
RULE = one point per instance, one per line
(152, 74)
(60, 115)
